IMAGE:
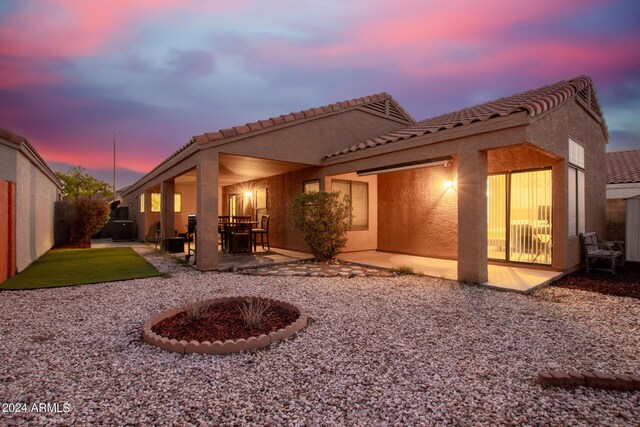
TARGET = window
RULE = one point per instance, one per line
(235, 204)
(142, 203)
(358, 193)
(312, 186)
(575, 176)
(260, 202)
(156, 200)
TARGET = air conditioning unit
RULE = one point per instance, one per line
(122, 231)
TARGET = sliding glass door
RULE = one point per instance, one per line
(519, 217)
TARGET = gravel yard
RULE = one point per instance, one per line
(398, 350)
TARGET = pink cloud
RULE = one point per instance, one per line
(68, 28)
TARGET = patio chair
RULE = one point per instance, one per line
(240, 238)
(222, 231)
(262, 231)
(241, 219)
(155, 235)
(594, 249)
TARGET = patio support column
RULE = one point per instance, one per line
(472, 216)
(167, 209)
(207, 210)
(146, 227)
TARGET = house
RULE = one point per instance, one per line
(28, 192)
(623, 182)
(511, 181)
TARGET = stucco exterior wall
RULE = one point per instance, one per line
(35, 199)
(188, 192)
(8, 162)
(552, 131)
(417, 215)
(281, 190)
(307, 142)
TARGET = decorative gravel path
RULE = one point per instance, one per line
(381, 351)
(314, 269)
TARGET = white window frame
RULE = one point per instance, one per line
(576, 218)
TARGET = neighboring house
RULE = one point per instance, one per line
(28, 192)
(623, 182)
(509, 181)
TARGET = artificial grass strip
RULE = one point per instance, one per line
(67, 267)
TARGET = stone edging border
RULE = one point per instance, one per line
(228, 346)
(590, 379)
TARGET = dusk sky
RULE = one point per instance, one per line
(157, 72)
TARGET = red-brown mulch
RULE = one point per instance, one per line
(625, 283)
(222, 321)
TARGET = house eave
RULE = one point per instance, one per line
(501, 123)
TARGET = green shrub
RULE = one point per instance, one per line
(91, 214)
(324, 219)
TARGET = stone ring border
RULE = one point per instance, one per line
(228, 346)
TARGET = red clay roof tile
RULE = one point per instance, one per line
(623, 167)
(242, 129)
(227, 133)
(254, 126)
(214, 136)
(534, 102)
(275, 121)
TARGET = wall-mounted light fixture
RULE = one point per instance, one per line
(248, 194)
(429, 163)
(448, 185)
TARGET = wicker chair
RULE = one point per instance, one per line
(594, 249)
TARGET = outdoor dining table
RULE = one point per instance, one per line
(228, 226)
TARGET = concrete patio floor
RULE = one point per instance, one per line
(513, 279)
(505, 278)
(226, 261)
(259, 258)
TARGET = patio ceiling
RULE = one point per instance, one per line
(235, 169)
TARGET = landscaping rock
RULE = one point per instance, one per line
(403, 350)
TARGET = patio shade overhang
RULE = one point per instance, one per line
(418, 164)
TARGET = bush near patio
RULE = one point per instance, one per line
(324, 219)
(90, 215)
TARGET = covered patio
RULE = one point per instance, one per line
(501, 277)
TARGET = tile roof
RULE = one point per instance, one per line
(623, 167)
(13, 137)
(397, 111)
(534, 102)
(299, 115)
